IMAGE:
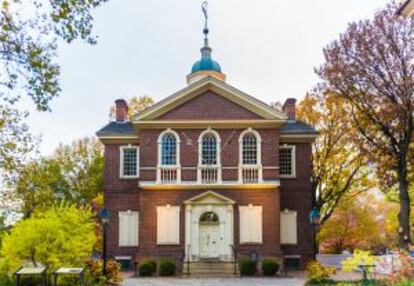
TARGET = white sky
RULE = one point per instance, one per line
(267, 48)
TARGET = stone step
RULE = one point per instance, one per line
(210, 269)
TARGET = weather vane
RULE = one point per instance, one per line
(204, 7)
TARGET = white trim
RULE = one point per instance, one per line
(258, 164)
(217, 86)
(160, 166)
(121, 161)
(218, 154)
(293, 161)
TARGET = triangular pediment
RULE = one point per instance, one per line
(258, 108)
(209, 197)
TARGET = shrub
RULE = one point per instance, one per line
(247, 267)
(403, 270)
(147, 268)
(94, 275)
(167, 267)
(318, 274)
(269, 267)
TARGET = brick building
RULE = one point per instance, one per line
(207, 173)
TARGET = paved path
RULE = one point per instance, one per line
(213, 281)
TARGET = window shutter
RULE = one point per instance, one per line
(288, 227)
(128, 228)
(168, 225)
(251, 224)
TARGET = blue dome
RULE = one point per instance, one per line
(206, 64)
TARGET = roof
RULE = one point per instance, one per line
(297, 127)
(249, 102)
(116, 128)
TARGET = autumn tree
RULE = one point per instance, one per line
(338, 167)
(136, 104)
(73, 173)
(370, 67)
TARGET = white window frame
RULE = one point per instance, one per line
(169, 241)
(244, 240)
(259, 154)
(293, 161)
(177, 166)
(129, 243)
(121, 162)
(295, 214)
(200, 154)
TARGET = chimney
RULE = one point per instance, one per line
(121, 109)
(290, 108)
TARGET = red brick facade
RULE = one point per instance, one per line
(292, 194)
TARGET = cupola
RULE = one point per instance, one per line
(206, 66)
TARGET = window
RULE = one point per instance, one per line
(287, 161)
(288, 227)
(209, 150)
(249, 149)
(129, 162)
(128, 228)
(250, 224)
(169, 150)
(168, 224)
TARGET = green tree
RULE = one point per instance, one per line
(371, 67)
(30, 33)
(338, 167)
(63, 235)
(136, 104)
(74, 173)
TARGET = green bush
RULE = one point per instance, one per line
(167, 267)
(247, 267)
(269, 267)
(147, 268)
(6, 281)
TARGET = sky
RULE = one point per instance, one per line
(268, 49)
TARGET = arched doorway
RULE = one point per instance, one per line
(209, 227)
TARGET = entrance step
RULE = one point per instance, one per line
(210, 269)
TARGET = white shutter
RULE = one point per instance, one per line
(251, 224)
(128, 228)
(168, 225)
(288, 227)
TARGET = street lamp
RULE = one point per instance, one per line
(315, 220)
(104, 217)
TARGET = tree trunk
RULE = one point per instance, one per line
(404, 214)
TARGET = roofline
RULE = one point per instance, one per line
(249, 100)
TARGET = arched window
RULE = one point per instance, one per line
(169, 150)
(250, 147)
(209, 218)
(168, 142)
(209, 148)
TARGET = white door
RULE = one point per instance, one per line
(209, 241)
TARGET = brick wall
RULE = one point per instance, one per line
(209, 106)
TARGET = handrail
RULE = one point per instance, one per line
(188, 259)
(233, 248)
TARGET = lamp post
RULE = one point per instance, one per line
(104, 217)
(315, 219)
